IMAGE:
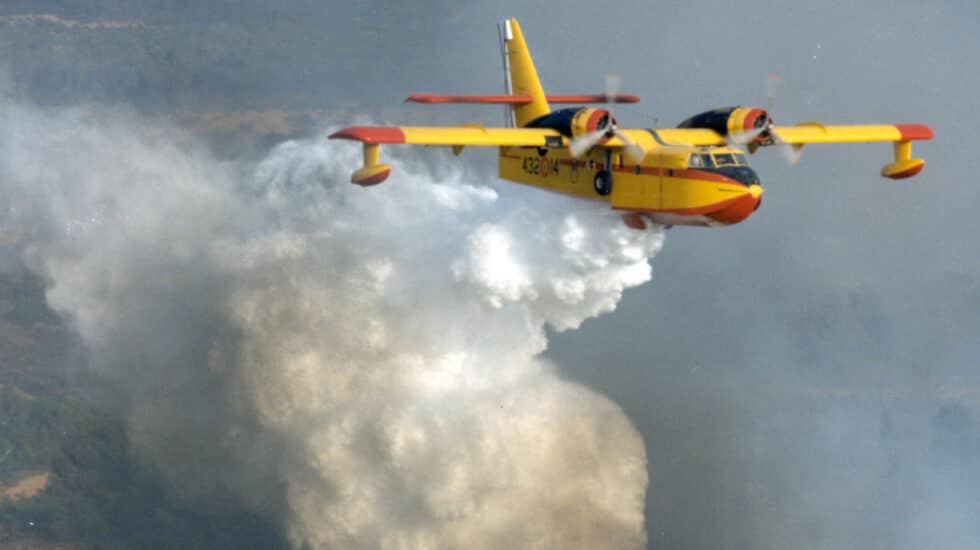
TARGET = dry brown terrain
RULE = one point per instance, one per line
(19, 392)
(26, 485)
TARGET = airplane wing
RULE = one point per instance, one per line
(902, 135)
(807, 132)
(373, 172)
(443, 136)
(801, 134)
(474, 135)
(814, 132)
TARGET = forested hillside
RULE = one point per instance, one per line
(67, 474)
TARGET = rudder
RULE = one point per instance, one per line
(523, 76)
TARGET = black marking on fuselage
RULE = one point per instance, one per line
(656, 136)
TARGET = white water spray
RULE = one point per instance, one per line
(367, 357)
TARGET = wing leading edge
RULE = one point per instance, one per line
(467, 135)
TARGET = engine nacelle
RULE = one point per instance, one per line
(732, 120)
(576, 122)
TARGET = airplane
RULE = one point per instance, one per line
(695, 174)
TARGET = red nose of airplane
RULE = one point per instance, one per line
(740, 208)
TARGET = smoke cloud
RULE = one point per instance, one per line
(359, 364)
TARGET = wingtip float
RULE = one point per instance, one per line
(695, 174)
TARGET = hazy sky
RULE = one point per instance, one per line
(768, 364)
(793, 376)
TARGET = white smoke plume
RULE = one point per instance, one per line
(360, 364)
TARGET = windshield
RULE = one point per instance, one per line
(724, 159)
(742, 174)
(700, 161)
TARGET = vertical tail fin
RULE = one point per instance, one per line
(523, 79)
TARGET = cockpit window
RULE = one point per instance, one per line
(705, 160)
(724, 159)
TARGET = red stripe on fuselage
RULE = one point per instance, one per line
(699, 210)
(725, 212)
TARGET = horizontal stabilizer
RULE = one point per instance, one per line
(521, 99)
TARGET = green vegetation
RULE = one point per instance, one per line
(99, 494)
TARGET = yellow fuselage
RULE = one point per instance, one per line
(663, 187)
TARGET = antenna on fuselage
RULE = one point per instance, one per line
(505, 34)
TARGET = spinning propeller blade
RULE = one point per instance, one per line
(580, 145)
(746, 136)
(791, 153)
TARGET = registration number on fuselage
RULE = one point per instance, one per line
(539, 166)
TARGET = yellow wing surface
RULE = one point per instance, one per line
(801, 134)
(902, 135)
(808, 132)
(462, 136)
(373, 172)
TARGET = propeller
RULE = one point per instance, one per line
(745, 136)
(581, 144)
(790, 152)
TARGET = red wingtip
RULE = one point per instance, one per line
(371, 134)
(914, 131)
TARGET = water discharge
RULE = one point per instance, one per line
(359, 364)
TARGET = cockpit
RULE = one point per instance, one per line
(726, 163)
